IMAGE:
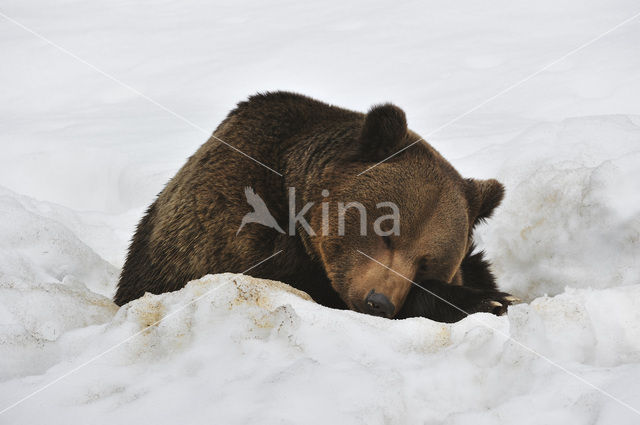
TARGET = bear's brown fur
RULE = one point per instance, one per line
(192, 227)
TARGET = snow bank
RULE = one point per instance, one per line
(37, 244)
(571, 216)
(34, 321)
(254, 351)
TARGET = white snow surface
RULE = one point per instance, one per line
(83, 155)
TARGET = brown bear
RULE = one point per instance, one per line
(287, 174)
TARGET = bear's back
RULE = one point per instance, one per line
(202, 206)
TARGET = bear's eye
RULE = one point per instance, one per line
(423, 267)
(387, 241)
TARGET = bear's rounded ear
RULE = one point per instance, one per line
(385, 128)
(484, 197)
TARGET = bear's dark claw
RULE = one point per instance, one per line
(495, 303)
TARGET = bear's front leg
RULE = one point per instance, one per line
(449, 303)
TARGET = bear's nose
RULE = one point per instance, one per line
(378, 305)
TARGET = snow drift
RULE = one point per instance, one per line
(248, 350)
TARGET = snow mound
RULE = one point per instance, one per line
(255, 351)
(571, 216)
(34, 317)
(38, 245)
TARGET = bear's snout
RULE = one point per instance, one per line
(378, 304)
(377, 290)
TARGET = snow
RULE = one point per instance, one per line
(82, 156)
(248, 350)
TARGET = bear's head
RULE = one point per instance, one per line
(406, 219)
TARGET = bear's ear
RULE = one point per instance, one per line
(484, 197)
(385, 128)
